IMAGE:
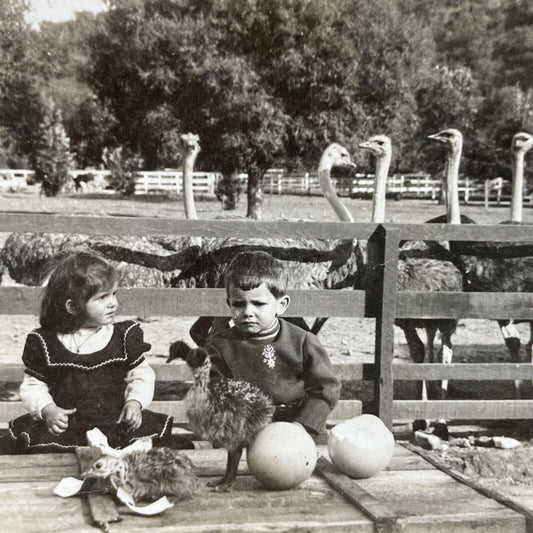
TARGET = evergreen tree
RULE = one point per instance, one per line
(53, 158)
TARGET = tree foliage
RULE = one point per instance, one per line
(54, 158)
(20, 74)
(271, 82)
(124, 167)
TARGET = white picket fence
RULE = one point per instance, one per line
(203, 183)
(277, 181)
(417, 185)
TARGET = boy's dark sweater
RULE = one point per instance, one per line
(291, 366)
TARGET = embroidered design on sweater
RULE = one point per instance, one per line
(269, 355)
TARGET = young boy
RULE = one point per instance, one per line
(286, 362)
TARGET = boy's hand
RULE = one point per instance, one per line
(131, 415)
(56, 418)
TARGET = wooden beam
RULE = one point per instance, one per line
(179, 371)
(464, 305)
(128, 225)
(463, 409)
(101, 506)
(381, 300)
(384, 519)
(193, 302)
(490, 492)
(343, 410)
(462, 371)
(462, 232)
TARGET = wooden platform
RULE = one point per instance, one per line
(411, 495)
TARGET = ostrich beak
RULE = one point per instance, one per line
(365, 144)
(436, 137)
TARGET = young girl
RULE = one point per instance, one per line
(83, 370)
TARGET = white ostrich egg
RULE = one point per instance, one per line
(281, 456)
(360, 447)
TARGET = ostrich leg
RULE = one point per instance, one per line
(417, 354)
(225, 484)
(512, 341)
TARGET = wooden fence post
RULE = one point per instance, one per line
(380, 302)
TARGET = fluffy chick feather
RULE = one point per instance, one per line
(148, 475)
(224, 411)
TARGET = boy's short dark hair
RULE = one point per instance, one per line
(248, 270)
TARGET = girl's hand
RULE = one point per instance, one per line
(131, 415)
(56, 418)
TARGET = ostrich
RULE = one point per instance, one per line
(490, 274)
(147, 475)
(224, 411)
(141, 261)
(521, 144)
(416, 274)
(313, 263)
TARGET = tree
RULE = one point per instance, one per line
(514, 46)
(64, 52)
(124, 167)
(451, 98)
(54, 158)
(259, 82)
(20, 71)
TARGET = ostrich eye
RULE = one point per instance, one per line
(97, 466)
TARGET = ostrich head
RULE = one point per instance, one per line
(335, 155)
(379, 145)
(452, 138)
(522, 142)
(190, 144)
(105, 467)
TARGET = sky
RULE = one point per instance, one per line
(60, 10)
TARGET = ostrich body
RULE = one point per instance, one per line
(224, 411)
(420, 274)
(148, 475)
(141, 261)
(482, 273)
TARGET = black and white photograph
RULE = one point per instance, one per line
(266, 265)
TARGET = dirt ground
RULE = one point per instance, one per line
(346, 339)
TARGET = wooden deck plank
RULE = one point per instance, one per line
(411, 495)
(101, 506)
(249, 508)
(32, 507)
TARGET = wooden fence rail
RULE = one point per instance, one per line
(381, 301)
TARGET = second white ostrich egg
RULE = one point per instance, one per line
(361, 447)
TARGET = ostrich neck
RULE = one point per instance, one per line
(518, 185)
(324, 176)
(188, 196)
(453, 213)
(380, 188)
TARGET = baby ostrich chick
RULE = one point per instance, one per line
(148, 475)
(223, 411)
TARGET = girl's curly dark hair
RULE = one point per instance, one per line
(77, 277)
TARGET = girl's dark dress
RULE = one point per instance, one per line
(92, 383)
